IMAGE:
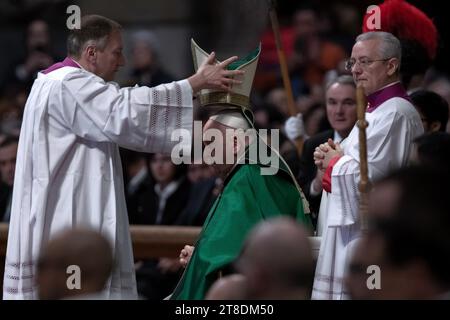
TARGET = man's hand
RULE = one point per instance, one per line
(213, 75)
(185, 255)
(325, 152)
(319, 155)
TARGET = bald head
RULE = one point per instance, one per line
(279, 236)
(84, 248)
(278, 253)
(232, 287)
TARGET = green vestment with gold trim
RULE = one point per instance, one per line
(247, 198)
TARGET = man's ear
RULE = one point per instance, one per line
(393, 66)
(91, 53)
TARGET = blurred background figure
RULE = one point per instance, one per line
(163, 202)
(84, 248)
(198, 172)
(11, 110)
(433, 110)
(277, 97)
(408, 238)
(8, 152)
(313, 55)
(145, 55)
(39, 55)
(277, 261)
(205, 187)
(440, 84)
(432, 150)
(160, 202)
(136, 177)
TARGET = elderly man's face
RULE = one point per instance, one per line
(216, 129)
(371, 70)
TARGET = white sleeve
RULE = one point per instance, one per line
(138, 118)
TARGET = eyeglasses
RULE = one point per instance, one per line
(363, 63)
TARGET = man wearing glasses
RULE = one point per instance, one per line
(393, 124)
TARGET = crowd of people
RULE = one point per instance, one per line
(95, 155)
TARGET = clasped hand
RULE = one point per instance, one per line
(325, 152)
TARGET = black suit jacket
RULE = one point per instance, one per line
(307, 168)
(144, 208)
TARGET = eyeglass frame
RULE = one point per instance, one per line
(362, 64)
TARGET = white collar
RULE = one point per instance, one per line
(337, 137)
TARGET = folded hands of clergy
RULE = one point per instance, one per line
(325, 152)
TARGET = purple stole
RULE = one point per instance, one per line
(375, 99)
(67, 62)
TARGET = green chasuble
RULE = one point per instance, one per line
(247, 198)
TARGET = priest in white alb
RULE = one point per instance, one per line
(393, 124)
(68, 171)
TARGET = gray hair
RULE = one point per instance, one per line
(344, 80)
(94, 29)
(390, 46)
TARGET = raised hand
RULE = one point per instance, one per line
(213, 75)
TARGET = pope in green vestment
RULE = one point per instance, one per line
(247, 198)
